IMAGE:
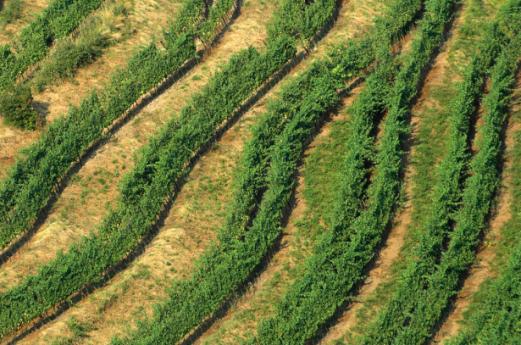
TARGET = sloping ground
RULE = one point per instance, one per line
(85, 201)
(144, 22)
(298, 236)
(295, 245)
(200, 207)
(433, 111)
(189, 227)
(483, 267)
(428, 122)
(391, 249)
(192, 220)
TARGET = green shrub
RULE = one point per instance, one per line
(16, 107)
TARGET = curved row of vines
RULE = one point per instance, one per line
(161, 166)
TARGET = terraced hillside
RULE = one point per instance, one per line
(260, 172)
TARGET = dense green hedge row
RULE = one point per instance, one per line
(250, 179)
(56, 21)
(224, 267)
(498, 320)
(215, 17)
(293, 325)
(388, 28)
(494, 318)
(311, 19)
(144, 191)
(419, 300)
(344, 62)
(472, 218)
(340, 257)
(266, 174)
(32, 179)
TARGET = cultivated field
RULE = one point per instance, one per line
(260, 172)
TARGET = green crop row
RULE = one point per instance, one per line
(419, 301)
(32, 180)
(224, 267)
(477, 201)
(495, 317)
(56, 21)
(339, 259)
(263, 189)
(147, 189)
(144, 191)
(313, 15)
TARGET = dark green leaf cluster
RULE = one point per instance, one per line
(301, 19)
(17, 102)
(216, 17)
